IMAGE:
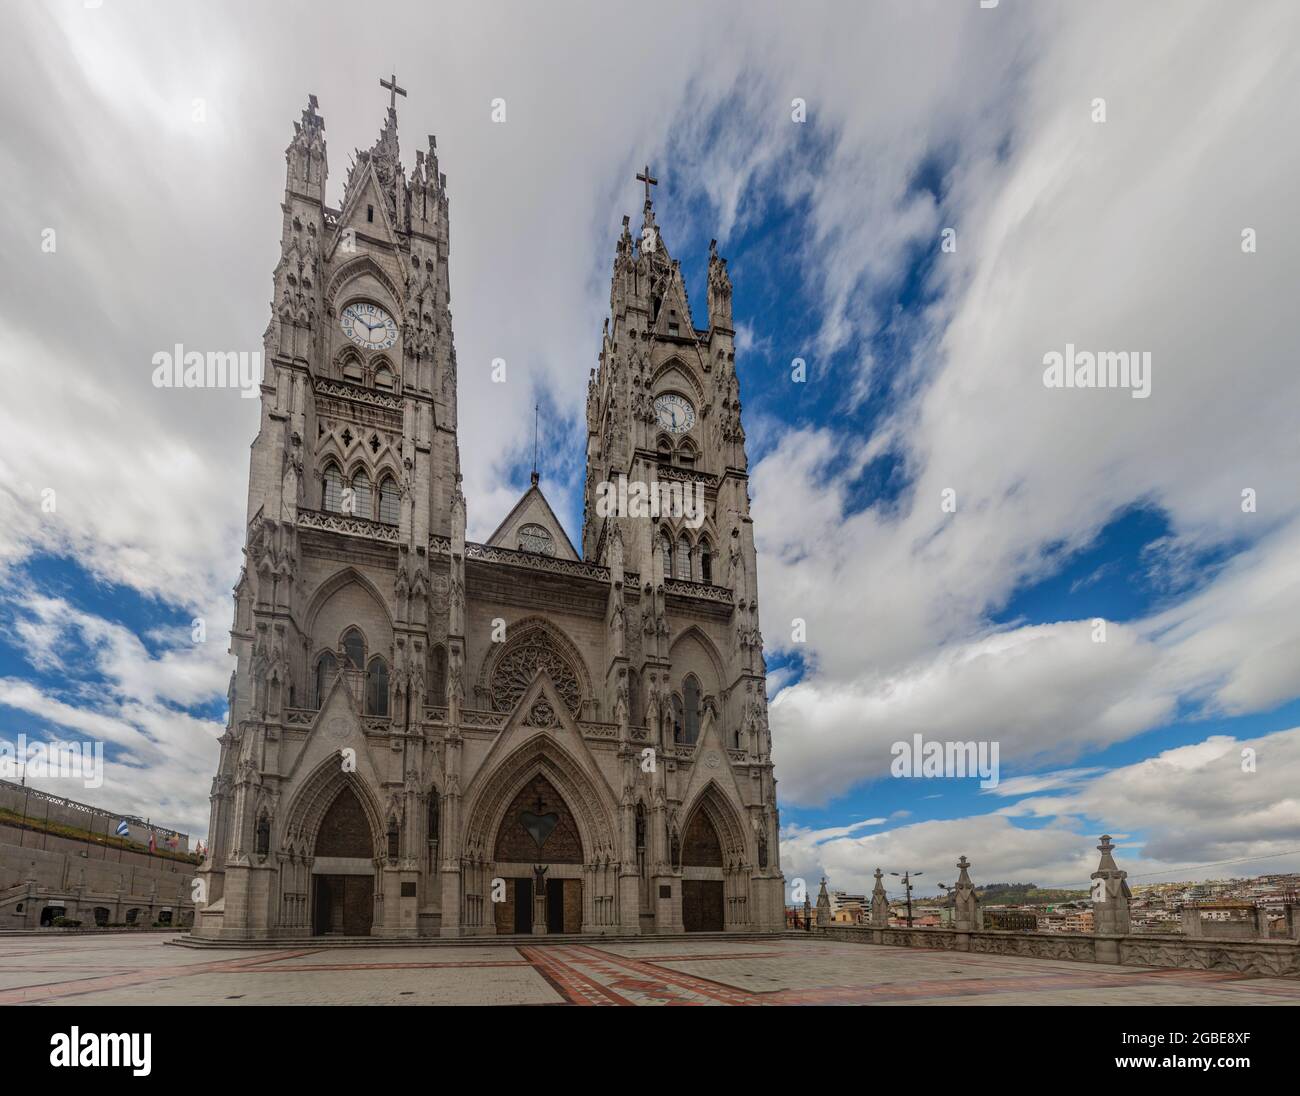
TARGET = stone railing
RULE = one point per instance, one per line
(1111, 941)
(700, 590)
(347, 524)
(342, 390)
(1274, 959)
(686, 475)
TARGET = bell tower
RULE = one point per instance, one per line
(354, 472)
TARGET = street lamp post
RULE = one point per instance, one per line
(907, 886)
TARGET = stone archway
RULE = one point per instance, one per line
(333, 829)
(581, 844)
(539, 855)
(343, 870)
(714, 865)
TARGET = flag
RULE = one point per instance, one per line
(123, 829)
(153, 846)
(173, 842)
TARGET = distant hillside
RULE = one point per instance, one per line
(1014, 894)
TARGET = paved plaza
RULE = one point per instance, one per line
(127, 970)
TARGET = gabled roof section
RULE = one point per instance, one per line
(533, 509)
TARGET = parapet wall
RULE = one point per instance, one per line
(1280, 958)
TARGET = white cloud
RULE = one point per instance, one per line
(1177, 816)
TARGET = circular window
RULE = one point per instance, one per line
(535, 538)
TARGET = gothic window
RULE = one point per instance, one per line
(332, 491)
(433, 814)
(691, 691)
(384, 378)
(521, 660)
(352, 369)
(390, 503)
(686, 455)
(666, 551)
(361, 494)
(394, 839)
(370, 214)
(677, 718)
(263, 844)
(640, 826)
(377, 687)
(683, 558)
(536, 538)
(665, 451)
(438, 675)
(706, 561)
(326, 667)
(354, 648)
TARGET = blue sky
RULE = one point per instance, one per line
(924, 377)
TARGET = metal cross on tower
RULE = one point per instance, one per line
(394, 91)
(649, 180)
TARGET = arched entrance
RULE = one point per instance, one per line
(702, 882)
(539, 857)
(343, 871)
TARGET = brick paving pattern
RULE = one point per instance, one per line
(664, 971)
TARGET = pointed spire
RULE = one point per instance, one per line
(966, 917)
(1110, 893)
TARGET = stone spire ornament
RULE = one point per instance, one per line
(823, 906)
(1110, 894)
(966, 917)
(879, 903)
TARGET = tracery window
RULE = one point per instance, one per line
(326, 667)
(390, 501)
(706, 561)
(354, 648)
(518, 664)
(691, 691)
(332, 491)
(536, 538)
(377, 687)
(683, 570)
(361, 494)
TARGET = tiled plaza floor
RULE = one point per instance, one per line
(786, 971)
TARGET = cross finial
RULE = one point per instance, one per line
(394, 91)
(649, 180)
(536, 411)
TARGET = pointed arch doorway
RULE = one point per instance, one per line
(539, 856)
(343, 870)
(703, 887)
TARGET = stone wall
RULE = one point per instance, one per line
(64, 873)
(1269, 958)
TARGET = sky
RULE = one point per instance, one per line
(919, 201)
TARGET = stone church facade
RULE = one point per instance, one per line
(434, 737)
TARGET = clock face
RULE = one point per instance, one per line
(674, 413)
(368, 325)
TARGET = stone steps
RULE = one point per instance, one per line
(511, 940)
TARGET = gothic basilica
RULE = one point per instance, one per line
(434, 737)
